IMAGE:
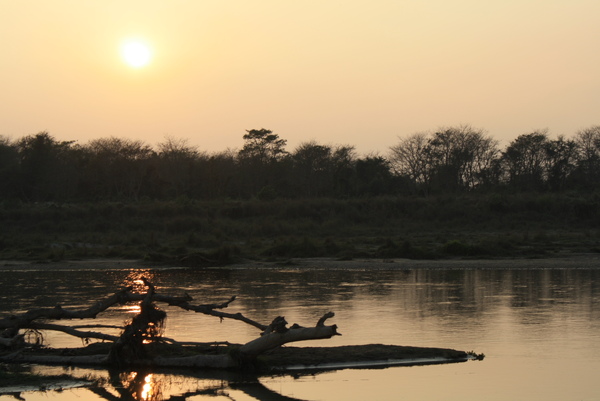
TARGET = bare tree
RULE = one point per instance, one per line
(588, 155)
(450, 158)
(409, 157)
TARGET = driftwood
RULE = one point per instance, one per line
(146, 327)
(277, 334)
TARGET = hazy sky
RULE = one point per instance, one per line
(339, 72)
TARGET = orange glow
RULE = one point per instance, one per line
(147, 388)
(132, 308)
(360, 74)
(134, 278)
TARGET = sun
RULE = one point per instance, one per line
(136, 53)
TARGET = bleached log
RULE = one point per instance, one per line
(278, 335)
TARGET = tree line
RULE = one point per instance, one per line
(448, 160)
(466, 159)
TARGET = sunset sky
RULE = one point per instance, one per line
(350, 72)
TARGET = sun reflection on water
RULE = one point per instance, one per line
(134, 279)
(132, 308)
(142, 387)
(147, 388)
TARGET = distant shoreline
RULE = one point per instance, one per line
(572, 261)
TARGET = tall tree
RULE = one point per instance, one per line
(263, 146)
(262, 162)
(525, 160)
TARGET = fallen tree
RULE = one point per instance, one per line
(141, 343)
(136, 344)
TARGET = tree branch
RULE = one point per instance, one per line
(71, 331)
(128, 348)
(58, 313)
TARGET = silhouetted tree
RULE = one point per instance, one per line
(45, 171)
(344, 159)
(458, 155)
(219, 175)
(262, 161)
(482, 158)
(262, 146)
(41, 168)
(452, 158)
(177, 168)
(118, 168)
(561, 158)
(587, 172)
(374, 176)
(409, 158)
(525, 160)
(9, 168)
(312, 170)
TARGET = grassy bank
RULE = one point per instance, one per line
(195, 233)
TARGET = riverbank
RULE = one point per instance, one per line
(565, 261)
(209, 233)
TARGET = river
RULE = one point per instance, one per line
(538, 328)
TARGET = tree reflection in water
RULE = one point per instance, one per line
(145, 385)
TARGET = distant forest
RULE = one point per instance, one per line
(451, 160)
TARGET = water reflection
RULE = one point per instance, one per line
(134, 279)
(148, 385)
(360, 298)
(535, 326)
(136, 385)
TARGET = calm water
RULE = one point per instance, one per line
(539, 329)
